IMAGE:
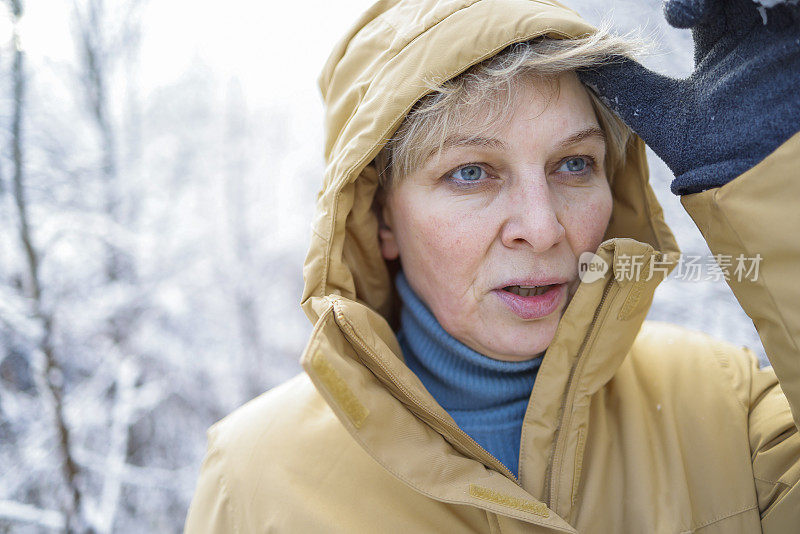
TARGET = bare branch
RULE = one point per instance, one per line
(51, 372)
(127, 375)
(24, 513)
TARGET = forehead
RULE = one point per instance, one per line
(552, 102)
(548, 113)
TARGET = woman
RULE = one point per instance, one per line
(460, 376)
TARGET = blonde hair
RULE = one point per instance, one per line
(480, 95)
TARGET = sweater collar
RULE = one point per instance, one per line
(458, 377)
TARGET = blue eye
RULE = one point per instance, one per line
(576, 164)
(468, 173)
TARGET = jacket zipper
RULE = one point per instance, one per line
(555, 464)
(454, 428)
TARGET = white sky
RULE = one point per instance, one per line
(276, 49)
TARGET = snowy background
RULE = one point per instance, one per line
(159, 163)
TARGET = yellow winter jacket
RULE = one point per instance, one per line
(631, 427)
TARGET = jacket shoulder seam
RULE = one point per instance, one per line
(720, 352)
(723, 517)
(772, 482)
(228, 503)
(224, 488)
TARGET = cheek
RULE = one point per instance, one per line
(441, 251)
(432, 226)
(587, 221)
(444, 243)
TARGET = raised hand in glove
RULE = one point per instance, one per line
(741, 102)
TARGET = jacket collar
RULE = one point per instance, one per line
(355, 362)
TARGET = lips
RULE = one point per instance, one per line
(532, 301)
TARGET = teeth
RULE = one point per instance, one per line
(527, 291)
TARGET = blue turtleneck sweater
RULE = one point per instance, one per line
(486, 397)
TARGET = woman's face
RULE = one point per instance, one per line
(514, 207)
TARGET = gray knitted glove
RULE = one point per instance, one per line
(741, 102)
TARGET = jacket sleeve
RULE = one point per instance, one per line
(753, 224)
(212, 508)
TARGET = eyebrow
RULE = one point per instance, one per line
(491, 142)
(586, 133)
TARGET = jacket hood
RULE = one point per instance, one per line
(372, 79)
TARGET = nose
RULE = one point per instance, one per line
(531, 217)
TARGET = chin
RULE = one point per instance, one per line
(525, 345)
(521, 357)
